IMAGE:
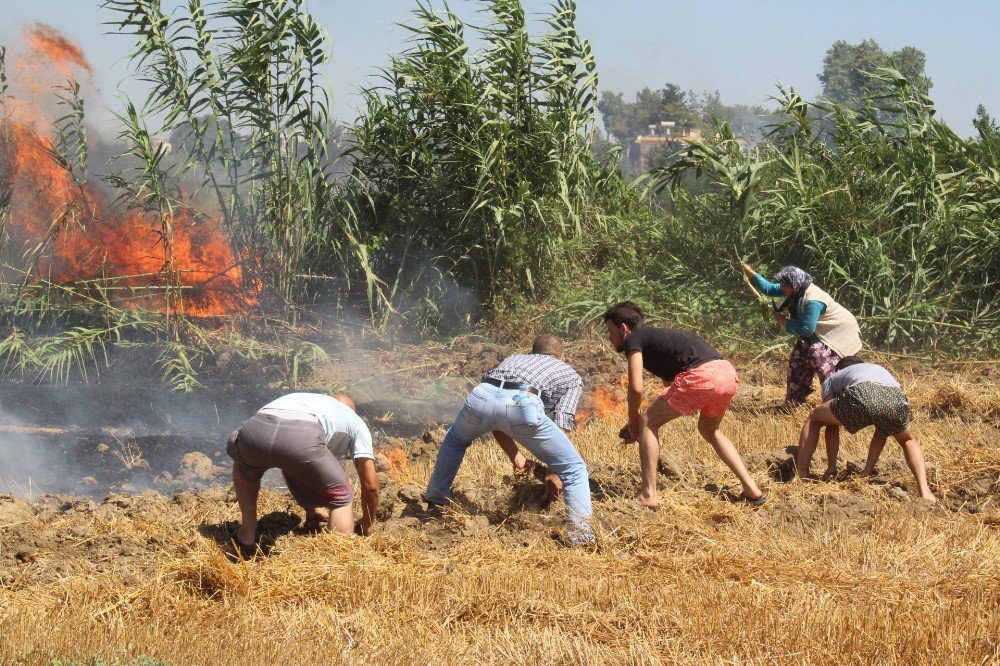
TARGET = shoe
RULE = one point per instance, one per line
(755, 502)
(240, 550)
(434, 510)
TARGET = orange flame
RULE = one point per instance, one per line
(90, 240)
(58, 50)
(604, 404)
(399, 464)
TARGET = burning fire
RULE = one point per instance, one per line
(604, 404)
(399, 464)
(93, 245)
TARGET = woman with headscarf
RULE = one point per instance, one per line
(827, 331)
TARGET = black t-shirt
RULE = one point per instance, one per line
(666, 352)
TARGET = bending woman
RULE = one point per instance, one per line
(827, 331)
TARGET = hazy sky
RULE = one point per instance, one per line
(741, 48)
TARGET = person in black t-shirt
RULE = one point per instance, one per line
(697, 379)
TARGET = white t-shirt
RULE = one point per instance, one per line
(346, 434)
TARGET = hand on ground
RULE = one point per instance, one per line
(316, 518)
(626, 434)
(553, 487)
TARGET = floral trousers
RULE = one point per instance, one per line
(806, 360)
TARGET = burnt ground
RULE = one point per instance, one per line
(122, 446)
(124, 431)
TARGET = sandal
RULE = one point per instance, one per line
(755, 502)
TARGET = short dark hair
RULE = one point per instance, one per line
(848, 361)
(627, 313)
(546, 343)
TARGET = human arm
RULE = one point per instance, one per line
(767, 288)
(635, 390)
(805, 324)
(370, 489)
(831, 387)
(564, 412)
(509, 447)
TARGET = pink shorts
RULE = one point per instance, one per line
(707, 388)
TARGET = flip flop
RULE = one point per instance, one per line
(755, 502)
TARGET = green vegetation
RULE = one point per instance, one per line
(473, 169)
(471, 191)
(899, 217)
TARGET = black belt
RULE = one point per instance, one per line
(515, 386)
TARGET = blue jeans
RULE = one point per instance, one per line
(522, 416)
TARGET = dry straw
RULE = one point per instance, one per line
(837, 573)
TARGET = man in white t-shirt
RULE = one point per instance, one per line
(306, 435)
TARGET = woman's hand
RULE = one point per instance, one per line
(748, 269)
(780, 318)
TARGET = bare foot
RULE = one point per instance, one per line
(245, 536)
(316, 518)
(648, 501)
(929, 498)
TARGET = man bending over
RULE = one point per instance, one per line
(697, 380)
(306, 435)
(530, 398)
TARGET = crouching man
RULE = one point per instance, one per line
(530, 398)
(305, 435)
(858, 395)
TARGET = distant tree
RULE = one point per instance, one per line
(988, 129)
(848, 69)
(626, 120)
(746, 120)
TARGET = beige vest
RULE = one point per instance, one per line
(837, 328)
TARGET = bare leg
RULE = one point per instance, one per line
(809, 437)
(246, 496)
(341, 520)
(874, 451)
(649, 454)
(914, 454)
(658, 414)
(831, 436)
(708, 426)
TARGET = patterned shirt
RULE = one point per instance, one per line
(560, 384)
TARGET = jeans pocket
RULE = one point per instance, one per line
(469, 416)
(525, 415)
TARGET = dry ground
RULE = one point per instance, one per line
(831, 573)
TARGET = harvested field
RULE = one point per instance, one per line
(841, 572)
